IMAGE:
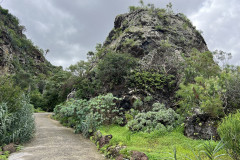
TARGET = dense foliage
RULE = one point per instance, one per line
(16, 119)
(114, 68)
(160, 119)
(229, 130)
(86, 116)
(10, 93)
(199, 64)
(152, 81)
(232, 90)
(205, 94)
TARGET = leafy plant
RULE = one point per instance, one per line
(205, 94)
(229, 130)
(211, 151)
(199, 64)
(86, 116)
(160, 118)
(17, 126)
(9, 93)
(114, 67)
(152, 81)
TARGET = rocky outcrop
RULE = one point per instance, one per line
(157, 37)
(201, 126)
(114, 151)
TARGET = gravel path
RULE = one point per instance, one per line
(52, 141)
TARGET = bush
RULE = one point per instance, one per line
(18, 126)
(199, 64)
(37, 100)
(10, 94)
(205, 94)
(85, 116)
(159, 119)
(233, 92)
(229, 131)
(114, 67)
(152, 81)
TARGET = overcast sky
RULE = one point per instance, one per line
(71, 28)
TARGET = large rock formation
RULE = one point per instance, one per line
(156, 36)
(159, 39)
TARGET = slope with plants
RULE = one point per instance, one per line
(19, 54)
(26, 79)
(47, 85)
(152, 82)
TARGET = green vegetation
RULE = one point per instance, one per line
(199, 64)
(114, 67)
(205, 94)
(85, 116)
(229, 130)
(159, 118)
(157, 145)
(152, 81)
(17, 124)
(113, 89)
(5, 155)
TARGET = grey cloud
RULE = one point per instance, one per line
(71, 28)
(219, 21)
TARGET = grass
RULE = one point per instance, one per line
(157, 145)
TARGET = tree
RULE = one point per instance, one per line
(222, 57)
(205, 94)
(199, 64)
(114, 67)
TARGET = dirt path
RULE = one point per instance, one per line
(55, 142)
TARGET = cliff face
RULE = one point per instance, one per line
(158, 37)
(17, 53)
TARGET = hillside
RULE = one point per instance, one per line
(160, 41)
(17, 53)
(26, 65)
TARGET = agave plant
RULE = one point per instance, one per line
(212, 151)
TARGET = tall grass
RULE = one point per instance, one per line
(229, 131)
(17, 126)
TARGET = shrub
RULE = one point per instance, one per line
(152, 81)
(86, 116)
(10, 94)
(159, 119)
(114, 67)
(36, 99)
(137, 104)
(233, 92)
(199, 64)
(18, 126)
(205, 94)
(229, 131)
